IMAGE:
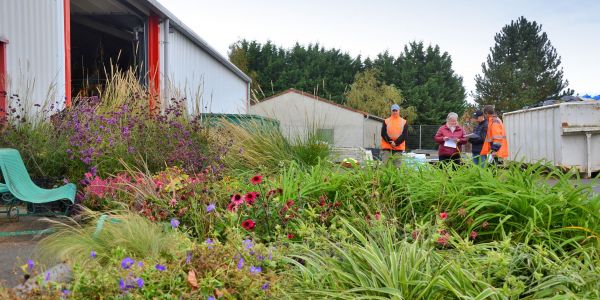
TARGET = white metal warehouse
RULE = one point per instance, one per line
(299, 112)
(51, 50)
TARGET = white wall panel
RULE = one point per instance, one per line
(35, 52)
(208, 86)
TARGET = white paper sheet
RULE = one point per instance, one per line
(450, 144)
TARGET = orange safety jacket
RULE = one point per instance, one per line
(395, 128)
(496, 136)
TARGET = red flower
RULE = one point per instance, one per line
(337, 204)
(250, 198)
(473, 234)
(257, 179)
(415, 234)
(237, 199)
(248, 225)
(289, 203)
(321, 202)
(443, 215)
(377, 216)
(290, 236)
(232, 207)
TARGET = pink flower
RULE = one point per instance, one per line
(443, 215)
(97, 187)
(473, 234)
(88, 175)
(237, 199)
(378, 216)
(173, 202)
(232, 207)
(443, 240)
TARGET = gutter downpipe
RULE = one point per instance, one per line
(166, 29)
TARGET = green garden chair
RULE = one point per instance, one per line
(20, 186)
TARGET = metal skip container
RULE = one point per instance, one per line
(565, 134)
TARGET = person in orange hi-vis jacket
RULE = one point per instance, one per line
(495, 144)
(393, 136)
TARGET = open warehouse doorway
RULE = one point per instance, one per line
(106, 36)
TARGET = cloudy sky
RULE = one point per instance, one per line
(465, 29)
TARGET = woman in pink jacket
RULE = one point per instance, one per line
(450, 137)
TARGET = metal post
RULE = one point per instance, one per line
(420, 135)
(588, 136)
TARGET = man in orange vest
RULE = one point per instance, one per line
(393, 136)
(495, 144)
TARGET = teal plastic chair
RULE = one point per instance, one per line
(20, 185)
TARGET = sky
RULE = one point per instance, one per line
(464, 29)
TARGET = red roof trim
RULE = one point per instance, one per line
(292, 90)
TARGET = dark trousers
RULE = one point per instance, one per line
(446, 159)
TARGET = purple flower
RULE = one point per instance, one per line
(127, 262)
(160, 267)
(210, 298)
(174, 223)
(140, 264)
(240, 264)
(47, 276)
(247, 243)
(121, 283)
(94, 171)
(210, 207)
(264, 286)
(93, 254)
(210, 243)
(140, 282)
(188, 259)
(30, 264)
(260, 257)
(255, 270)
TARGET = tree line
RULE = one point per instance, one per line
(522, 68)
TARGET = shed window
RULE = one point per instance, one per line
(325, 135)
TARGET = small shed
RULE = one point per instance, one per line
(299, 113)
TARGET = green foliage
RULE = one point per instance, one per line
(134, 234)
(424, 77)
(325, 73)
(368, 94)
(522, 69)
(427, 81)
(256, 147)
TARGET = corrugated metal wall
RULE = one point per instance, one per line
(35, 51)
(534, 135)
(206, 83)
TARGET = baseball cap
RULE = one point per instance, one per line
(477, 114)
(395, 107)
